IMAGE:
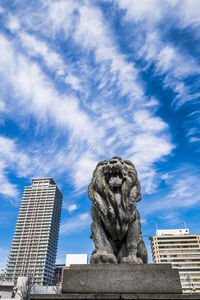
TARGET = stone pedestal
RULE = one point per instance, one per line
(115, 296)
(146, 281)
(121, 279)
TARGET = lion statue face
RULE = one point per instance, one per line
(116, 170)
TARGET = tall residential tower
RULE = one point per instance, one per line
(34, 246)
(182, 250)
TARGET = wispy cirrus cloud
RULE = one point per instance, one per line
(186, 12)
(77, 223)
(8, 158)
(38, 97)
(168, 46)
(84, 22)
(7, 188)
(172, 218)
(70, 207)
(171, 62)
(3, 257)
(95, 128)
(182, 191)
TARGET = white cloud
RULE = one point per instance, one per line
(2, 10)
(194, 139)
(145, 122)
(2, 106)
(182, 188)
(104, 132)
(148, 179)
(166, 58)
(9, 156)
(72, 207)
(143, 221)
(76, 224)
(6, 188)
(83, 169)
(189, 13)
(37, 95)
(172, 218)
(192, 131)
(35, 48)
(60, 15)
(3, 258)
(91, 32)
(178, 64)
(148, 148)
(183, 94)
(73, 81)
(151, 103)
(138, 10)
(153, 12)
(169, 59)
(165, 176)
(13, 23)
(183, 191)
(13, 157)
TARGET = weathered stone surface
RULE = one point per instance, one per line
(116, 227)
(116, 296)
(74, 296)
(121, 279)
(160, 296)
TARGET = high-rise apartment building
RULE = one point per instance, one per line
(34, 246)
(182, 250)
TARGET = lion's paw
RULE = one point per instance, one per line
(95, 259)
(109, 258)
(131, 259)
(103, 258)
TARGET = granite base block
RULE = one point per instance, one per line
(74, 296)
(121, 279)
(115, 296)
(120, 282)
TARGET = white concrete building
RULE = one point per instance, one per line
(172, 231)
(34, 246)
(77, 259)
(6, 289)
(182, 250)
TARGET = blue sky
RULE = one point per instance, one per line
(82, 81)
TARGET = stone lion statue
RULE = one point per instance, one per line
(116, 228)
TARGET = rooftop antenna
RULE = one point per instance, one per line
(185, 225)
(156, 227)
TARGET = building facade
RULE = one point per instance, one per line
(182, 250)
(34, 246)
(2, 275)
(58, 273)
(6, 289)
